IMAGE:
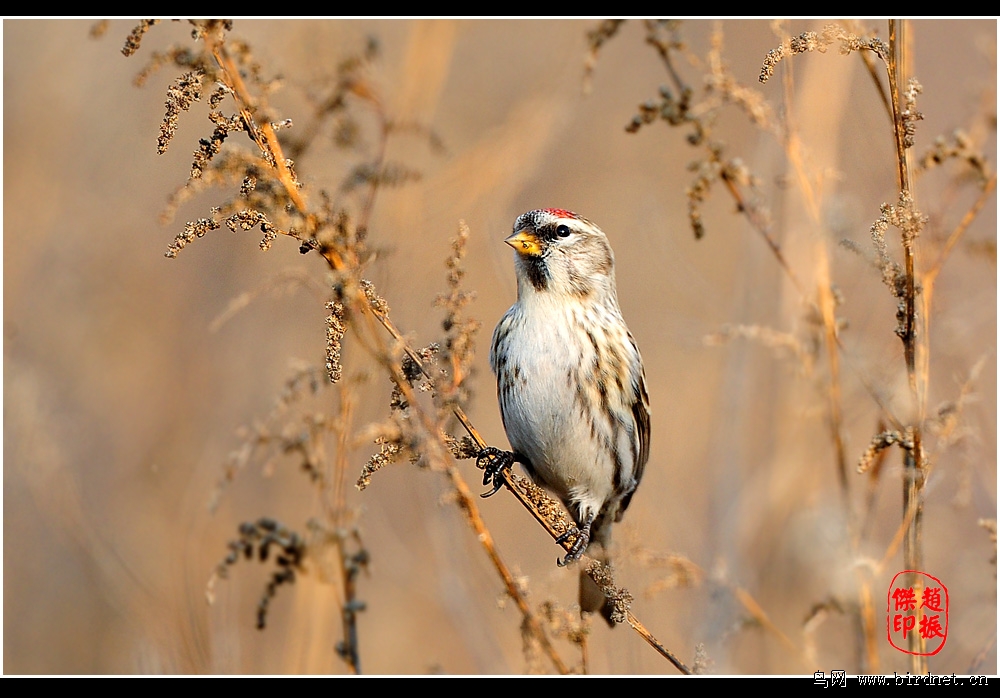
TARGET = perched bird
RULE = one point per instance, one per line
(570, 380)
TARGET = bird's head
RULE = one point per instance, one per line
(559, 252)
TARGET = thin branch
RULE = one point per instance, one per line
(913, 464)
(654, 643)
(931, 274)
(758, 224)
(468, 504)
(263, 134)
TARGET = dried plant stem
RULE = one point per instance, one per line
(663, 48)
(758, 614)
(263, 133)
(828, 310)
(459, 413)
(868, 626)
(348, 648)
(827, 304)
(931, 274)
(654, 643)
(383, 145)
(913, 463)
(864, 615)
(335, 511)
(903, 175)
(761, 227)
(468, 504)
(872, 67)
(861, 613)
(909, 513)
(337, 505)
(929, 277)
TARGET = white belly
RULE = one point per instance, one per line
(546, 414)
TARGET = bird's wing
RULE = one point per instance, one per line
(640, 415)
(640, 412)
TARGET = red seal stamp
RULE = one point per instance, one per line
(917, 603)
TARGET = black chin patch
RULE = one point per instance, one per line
(537, 272)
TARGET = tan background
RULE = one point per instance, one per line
(121, 403)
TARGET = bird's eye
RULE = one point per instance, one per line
(562, 231)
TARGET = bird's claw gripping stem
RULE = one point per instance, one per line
(576, 550)
(493, 462)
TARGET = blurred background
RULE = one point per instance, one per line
(126, 379)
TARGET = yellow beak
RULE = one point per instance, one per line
(525, 242)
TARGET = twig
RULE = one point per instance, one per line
(468, 504)
(761, 227)
(931, 274)
(263, 134)
(654, 643)
(913, 465)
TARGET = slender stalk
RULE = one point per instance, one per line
(865, 636)
(931, 274)
(654, 643)
(263, 134)
(468, 504)
(756, 221)
(913, 465)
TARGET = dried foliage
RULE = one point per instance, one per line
(270, 197)
(257, 539)
(441, 371)
(251, 153)
(909, 284)
(821, 41)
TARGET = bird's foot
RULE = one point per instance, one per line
(493, 462)
(582, 539)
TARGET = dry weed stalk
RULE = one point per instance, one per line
(271, 198)
(912, 318)
(679, 105)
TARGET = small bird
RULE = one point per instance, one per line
(570, 380)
